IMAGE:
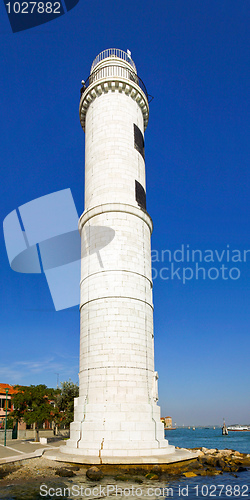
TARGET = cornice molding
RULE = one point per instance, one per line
(113, 84)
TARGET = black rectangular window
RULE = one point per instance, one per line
(3, 403)
(139, 141)
(140, 195)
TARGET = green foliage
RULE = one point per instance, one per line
(32, 404)
(10, 423)
(65, 402)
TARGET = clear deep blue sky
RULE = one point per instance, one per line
(193, 57)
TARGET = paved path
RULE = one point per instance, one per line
(18, 449)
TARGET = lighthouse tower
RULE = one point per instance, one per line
(116, 415)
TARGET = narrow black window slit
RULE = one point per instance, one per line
(140, 195)
(139, 141)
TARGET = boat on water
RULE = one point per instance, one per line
(239, 428)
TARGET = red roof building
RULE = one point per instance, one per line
(11, 391)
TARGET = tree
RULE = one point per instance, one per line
(65, 402)
(10, 423)
(32, 405)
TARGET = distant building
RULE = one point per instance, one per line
(168, 422)
(11, 391)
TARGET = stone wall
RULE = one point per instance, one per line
(8, 434)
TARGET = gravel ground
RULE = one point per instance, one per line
(23, 480)
(38, 478)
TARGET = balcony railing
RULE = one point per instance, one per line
(113, 53)
(114, 71)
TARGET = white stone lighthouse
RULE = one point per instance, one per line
(116, 415)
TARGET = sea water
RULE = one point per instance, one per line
(209, 438)
(200, 487)
(221, 486)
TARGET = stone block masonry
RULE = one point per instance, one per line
(116, 414)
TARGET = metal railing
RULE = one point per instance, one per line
(113, 53)
(114, 71)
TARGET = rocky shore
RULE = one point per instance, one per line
(22, 480)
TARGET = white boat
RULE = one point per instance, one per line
(239, 428)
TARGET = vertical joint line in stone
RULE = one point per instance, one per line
(88, 342)
(145, 312)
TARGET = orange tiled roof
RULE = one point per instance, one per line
(7, 386)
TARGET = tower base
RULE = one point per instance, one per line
(117, 430)
(173, 456)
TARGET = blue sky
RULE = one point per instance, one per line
(193, 58)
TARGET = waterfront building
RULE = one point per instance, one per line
(3, 400)
(168, 422)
